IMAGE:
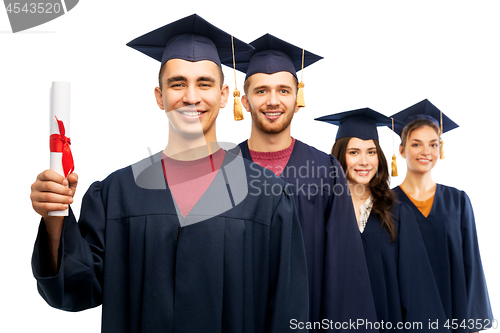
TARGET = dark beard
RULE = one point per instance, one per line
(270, 129)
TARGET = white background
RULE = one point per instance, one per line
(386, 55)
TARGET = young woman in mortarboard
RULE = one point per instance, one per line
(405, 294)
(445, 218)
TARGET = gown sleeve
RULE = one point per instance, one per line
(347, 291)
(288, 270)
(478, 304)
(77, 283)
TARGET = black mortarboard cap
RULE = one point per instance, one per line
(360, 123)
(272, 55)
(191, 38)
(423, 110)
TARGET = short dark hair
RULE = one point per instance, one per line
(162, 69)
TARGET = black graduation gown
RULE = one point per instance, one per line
(449, 234)
(238, 270)
(338, 277)
(403, 286)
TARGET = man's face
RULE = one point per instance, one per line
(191, 95)
(271, 100)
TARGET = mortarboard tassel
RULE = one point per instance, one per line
(237, 109)
(300, 93)
(394, 164)
(300, 96)
(441, 149)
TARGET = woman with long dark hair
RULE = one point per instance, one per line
(445, 218)
(405, 294)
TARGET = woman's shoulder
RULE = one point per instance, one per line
(450, 192)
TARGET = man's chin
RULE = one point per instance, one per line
(272, 128)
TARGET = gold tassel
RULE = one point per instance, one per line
(394, 164)
(394, 167)
(300, 92)
(441, 149)
(300, 96)
(238, 111)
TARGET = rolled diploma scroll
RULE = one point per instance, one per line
(59, 107)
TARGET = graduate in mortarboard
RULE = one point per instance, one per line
(445, 218)
(178, 242)
(338, 277)
(401, 277)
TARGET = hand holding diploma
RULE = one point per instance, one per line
(52, 192)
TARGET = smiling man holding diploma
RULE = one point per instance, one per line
(177, 242)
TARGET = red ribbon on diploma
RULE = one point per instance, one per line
(59, 143)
